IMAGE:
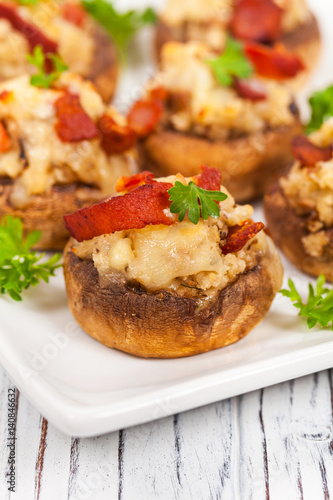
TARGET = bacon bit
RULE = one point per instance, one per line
(144, 116)
(74, 13)
(309, 154)
(5, 142)
(210, 179)
(257, 21)
(159, 93)
(274, 62)
(6, 96)
(135, 210)
(115, 138)
(250, 89)
(73, 123)
(238, 236)
(32, 34)
(130, 183)
(179, 100)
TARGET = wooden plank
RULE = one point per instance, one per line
(149, 460)
(93, 468)
(207, 451)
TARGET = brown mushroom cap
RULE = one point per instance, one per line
(45, 211)
(248, 165)
(163, 324)
(287, 230)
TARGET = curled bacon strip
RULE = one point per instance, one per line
(238, 236)
(127, 184)
(74, 13)
(135, 210)
(32, 34)
(274, 62)
(209, 179)
(73, 123)
(257, 20)
(250, 89)
(5, 142)
(145, 115)
(309, 154)
(115, 138)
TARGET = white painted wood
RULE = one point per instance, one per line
(271, 444)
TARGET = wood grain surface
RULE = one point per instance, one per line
(271, 444)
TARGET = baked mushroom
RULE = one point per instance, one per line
(63, 28)
(61, 148)
(299, 206)
(188, 118)
(141, 281)
(265, 23)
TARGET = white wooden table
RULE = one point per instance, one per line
(271, 444)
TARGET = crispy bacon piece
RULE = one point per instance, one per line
(135, 210)
(5, 142)
(238, 236)
(159, 93)
(144, 116)
(130, 183)
(209, 179)
(73, 123)
(32, 34)
(257, 21)
(74, 13)
(6, 96)
(115, 138)
(250, 89)
(308, 153)
(274, 62)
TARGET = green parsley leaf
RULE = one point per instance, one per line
(321, 103)
(319, 308)
(42, 78)
(19, 266)
(186, 199)
(231, 63)
(121, 26)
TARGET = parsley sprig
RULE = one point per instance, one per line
(43, 78)
(321, 103)
(231, 64)
(319, 307)
(19, 266)
(121, 26)
(194, 200)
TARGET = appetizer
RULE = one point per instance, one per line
(61, 148)
(201, 108)
(63, 28)
(299, 207)
(171, 267)
(266, 27)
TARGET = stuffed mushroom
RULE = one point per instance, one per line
(299, 206)
(61, 148)
(146, 280)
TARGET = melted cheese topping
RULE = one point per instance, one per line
(213, 109)
(30, 117)
(176, 13)
(184, 257)
(76, 44)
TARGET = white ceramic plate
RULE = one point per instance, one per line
(86, 389)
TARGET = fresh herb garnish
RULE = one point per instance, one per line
(321, 103)
(18, 265)
(195, 201)
(27, 2)
(121, 26)
(43, 78)
(231, 64)
(319, 308)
